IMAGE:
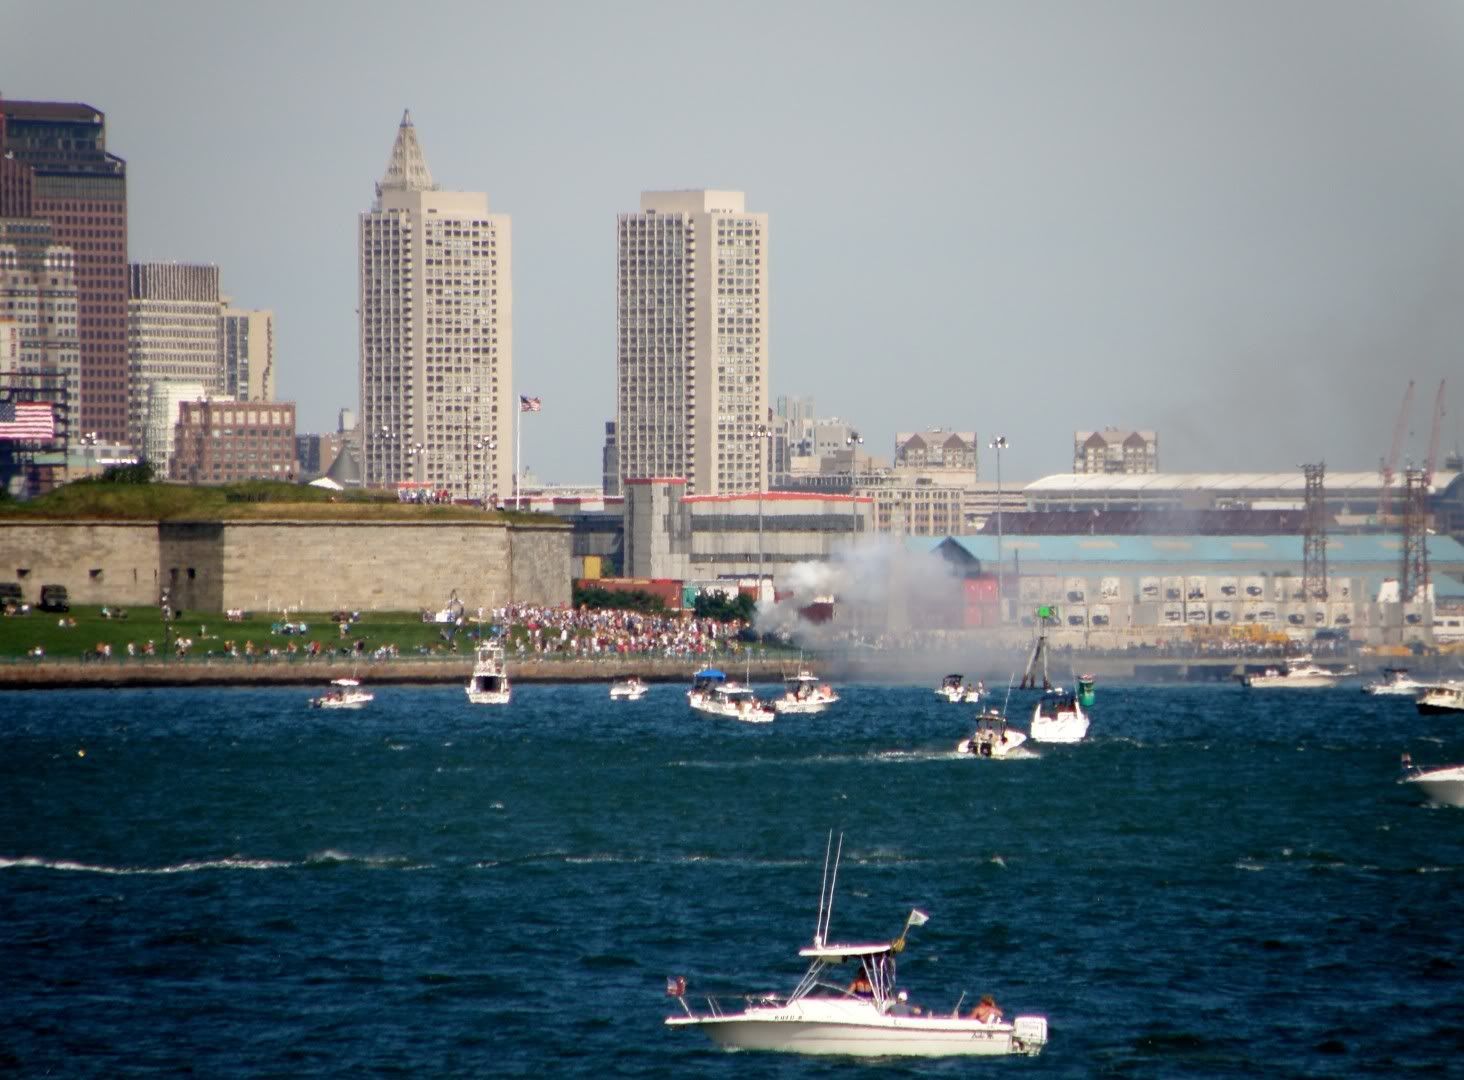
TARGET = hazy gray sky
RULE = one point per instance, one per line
(1241, 224)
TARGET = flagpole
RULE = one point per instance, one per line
(518, 442)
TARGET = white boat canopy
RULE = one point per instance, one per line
(844, 952)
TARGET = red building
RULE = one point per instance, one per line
(222, 442)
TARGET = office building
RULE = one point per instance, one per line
(57, 168)
(436, 331)
(221, 442)
(38, 321)
(692, 341)
(246, 353)
(173, 323)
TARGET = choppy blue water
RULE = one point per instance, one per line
(1220, 882)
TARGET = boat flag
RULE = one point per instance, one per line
(27, 420)
(676, 986)
(529, 404)
(917, 918)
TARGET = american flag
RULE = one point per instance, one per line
(529, 404)
(26, 420)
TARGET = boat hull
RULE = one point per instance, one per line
(1439, 701)
(1290, 682)
(1444, 786)
(887, 1036)
(489, 697)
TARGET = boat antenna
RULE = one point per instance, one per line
(823, 888)
(1004, 705)
(833, 880)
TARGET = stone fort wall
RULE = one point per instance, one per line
(305, 565)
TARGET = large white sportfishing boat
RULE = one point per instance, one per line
(488, 685)
(804, 693)
(1300, 673)
(1059, 718)
(868, 1017)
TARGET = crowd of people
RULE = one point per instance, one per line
(588, 633)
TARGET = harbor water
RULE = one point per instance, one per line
(1218, 882)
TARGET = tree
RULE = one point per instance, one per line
(710, 605)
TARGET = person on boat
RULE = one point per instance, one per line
(986, 1010)
(860, 987)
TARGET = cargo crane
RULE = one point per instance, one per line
(1385, 501)
(1433, 437)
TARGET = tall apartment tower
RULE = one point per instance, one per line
(173, 322)
(246, 345)
(436, 334)
(56, 166)
(692, 356)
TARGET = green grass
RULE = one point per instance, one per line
(210, 633)
(255, 500)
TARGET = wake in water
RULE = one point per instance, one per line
(232, 862)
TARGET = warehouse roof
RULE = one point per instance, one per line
(1444, 553)
(1159, 483)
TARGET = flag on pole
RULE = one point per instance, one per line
(27, 420)
(918, 917)
(676, 986)
(529, 404)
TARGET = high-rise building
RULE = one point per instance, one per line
(173, 322)
(692, 349)
(56, 167)
(436, 334)
(246, 344)
(38, 306)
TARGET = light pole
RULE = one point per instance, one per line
(418, 452)
(853, 441)
(999, 444)
(486, 442)
(384, 440)
(762, 432)
(89, 440)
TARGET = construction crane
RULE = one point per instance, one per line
(1385, 505)
(1433, 437)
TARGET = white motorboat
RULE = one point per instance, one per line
(1438, 700)
(1059, 718)
(1396, 682)
(702, 685)
(1301, 673)
(956, 690)
(870, 1017)
(805, 693)
(734, 701)
(345, 694)
(1444, 785)
(630, 688)
(489, 685)
(992, 738)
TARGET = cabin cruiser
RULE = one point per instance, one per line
(992, 738)
(1396, 682)
(868, 1017)
(1299, 673)
(1444, 785)
(488, 685)
(1059, 718)
(804, 693)
(630, 688)
(956, 690)
(735, 702)
(702, 685)
(1438, 700)
(345, 694)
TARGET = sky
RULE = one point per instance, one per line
(1239, 224)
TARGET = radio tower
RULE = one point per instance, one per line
(1314, 551)
(1413, 576)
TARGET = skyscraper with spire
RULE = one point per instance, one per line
(436, 326)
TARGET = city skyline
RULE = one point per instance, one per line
(1239, 227)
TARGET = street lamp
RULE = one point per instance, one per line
(853, 441)
(762, 431)
(418, 451)
(89, 441)
(999, 444)
(486, 442)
